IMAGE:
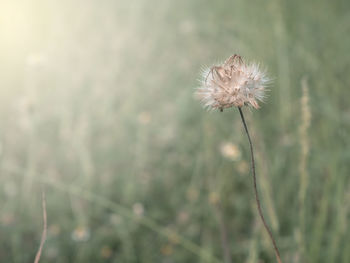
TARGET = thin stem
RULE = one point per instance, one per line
(278, 257)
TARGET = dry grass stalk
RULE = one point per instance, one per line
(44, 233)
(304, 144)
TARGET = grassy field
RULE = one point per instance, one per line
(97, 110)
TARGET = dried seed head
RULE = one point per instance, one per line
(233, 83)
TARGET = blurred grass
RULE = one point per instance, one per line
(97, 97)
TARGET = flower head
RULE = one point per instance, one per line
(233, 83)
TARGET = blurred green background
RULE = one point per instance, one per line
(97, 109)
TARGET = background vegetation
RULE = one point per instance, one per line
(97, 109)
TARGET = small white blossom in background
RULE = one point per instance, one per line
(230, 151)
(233, 83)
(81, 234)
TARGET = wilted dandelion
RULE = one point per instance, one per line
(233, 83)
(236, 84)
